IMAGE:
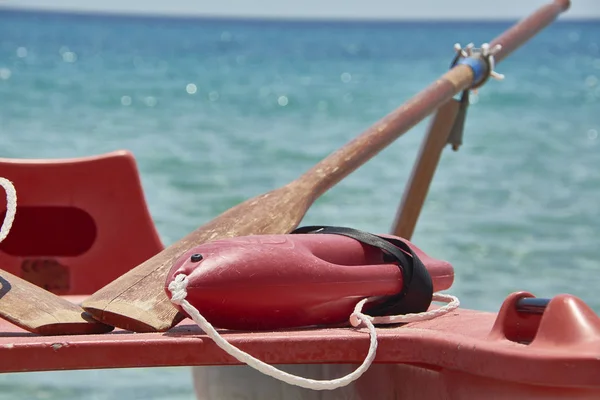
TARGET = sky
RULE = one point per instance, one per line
(329, 9)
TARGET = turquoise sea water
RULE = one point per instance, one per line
(218, 111)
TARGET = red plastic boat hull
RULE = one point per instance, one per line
(463, 355)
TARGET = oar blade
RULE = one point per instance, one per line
(136, 301)
(38, 311)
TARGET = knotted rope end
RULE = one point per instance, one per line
(178, 288)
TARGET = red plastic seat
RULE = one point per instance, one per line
(80, 222)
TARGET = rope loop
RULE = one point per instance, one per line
(178, 289)
(11, 207)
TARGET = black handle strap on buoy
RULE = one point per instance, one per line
(417, 291)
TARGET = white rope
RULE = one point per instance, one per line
(453, 304)
(11, 207)
(178, 288)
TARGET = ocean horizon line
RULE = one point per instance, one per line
(266, 18)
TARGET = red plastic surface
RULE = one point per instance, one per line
(282, 281)
(80, 223)
(464, 353)
(69, 232)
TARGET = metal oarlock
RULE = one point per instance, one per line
(455, 136)
(481, 60)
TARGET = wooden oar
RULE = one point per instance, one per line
(137, 301)
(437, 135)
(39, 311)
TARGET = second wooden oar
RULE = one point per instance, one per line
(38, 311)
(31, 307)
(136, 301)
(422, 173)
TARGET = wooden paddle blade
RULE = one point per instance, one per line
(36, 310)
(137, 301)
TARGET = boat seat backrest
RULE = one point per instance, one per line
(80, 222)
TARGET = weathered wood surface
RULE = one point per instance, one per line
(137, 300)
(38, 311)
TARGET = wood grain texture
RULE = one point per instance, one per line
(36, 310)
(137, 301)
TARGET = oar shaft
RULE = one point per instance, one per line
(341, 163)
(422, 174)
(527, 28)
(346, 160)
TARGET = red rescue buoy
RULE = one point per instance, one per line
(268, 282)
